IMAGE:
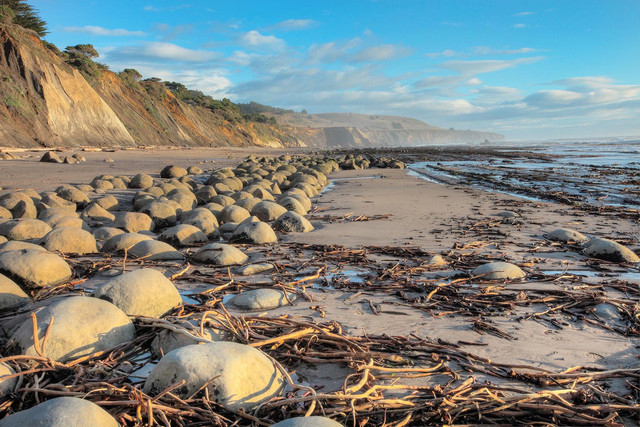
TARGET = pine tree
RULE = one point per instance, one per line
(26, 16)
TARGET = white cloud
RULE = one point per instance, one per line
(486, 66)
(170, 32)
(524, 13)
(383, 52)
(446, 53)
(158, 52)
(474, 81)
(328, 53)
(254, 40)
(483, 50)
(292, 24)
(101, 31)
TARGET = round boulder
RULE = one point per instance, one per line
(498, 271)
(314, 421)
(173, 171)
(183, 235)
(257, 233)
(70, 240)
(11, 295)
(96, 213)
(607, 250)
(154, 250)
(220, 254)
(268, 210)
(141, 181)
(566, 235)
(144, 292)
(123, 241)
(163, 214)
(260, 299)
(234, 213)
(81, 326)
(62, 412)
(133, 222)
(105, 233)
(34, 268)
(292, 222)
(236, 375)
(24, 229)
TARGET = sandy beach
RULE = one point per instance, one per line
(366, 274)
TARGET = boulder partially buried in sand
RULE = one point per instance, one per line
(220, 254)
(62, 412)
(183, 235)
(257, 233)
(261, 299)
(168, 340)
(70, 240)
(144, 292)
(498, 271)
(123, 241)
(237, 376)
(268, 211)
(173, 171)
(154, 250)
(34, 268)
(163, 214)
(308, 422)
(141, 181)
(250, 270)
(24, 229)
(567, 235)
(610, 251)
(292, 222)
(81, 326)
(11, 295)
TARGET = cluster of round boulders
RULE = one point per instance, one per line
(597, 247)
(53, 157)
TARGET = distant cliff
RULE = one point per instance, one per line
(45, 102)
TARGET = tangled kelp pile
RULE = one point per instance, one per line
(372, 377)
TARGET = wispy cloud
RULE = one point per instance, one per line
(384, 52)
(170, 32)
(520, 26)
(159, 52)
(482, 51)
(292, 25)
(446, 53)
(524, 13)
(254, 40)
(101, 31)
(486, 66)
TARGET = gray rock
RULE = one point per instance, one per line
(173, 171)
(605, 249)
(96, 213)
(435, 261)
(144, 292)
(566, 235)
(251, 269)
(194, 170)
(183, 235)
(313, 421)
(123, 241)
(248, 203)
(186, 201)
(268, 211)
(154, 250)
(50, 157)
(141, 181)
(133, 222)
(220, 254)
(107, 202)
(58, 211)
(292, 222)
(237, 376)
(56, 221)
(70, 240)
(257, 233)
(81, 326)
(292, 204)
(234, 213)
(105, 233)
(34, 268)
(260, 299)
(19, 204)
(24, 229)
(507, 214)
(11, 295)
(101, 184)
(7, 385)
(15, 245)
(222, 200)
(163, 214)
(53, 201)
(74, 195)
(498, 271)
(169, 340)
(61, 412)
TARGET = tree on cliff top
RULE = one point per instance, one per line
(26, 16)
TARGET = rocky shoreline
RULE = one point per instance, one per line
(258, 293)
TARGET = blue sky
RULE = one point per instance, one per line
(527, 69)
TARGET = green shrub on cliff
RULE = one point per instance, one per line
(23, 14)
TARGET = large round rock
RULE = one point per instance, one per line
(70, 240)
(123, 241)
(268, 210)
(34, 268)
(154, 250)
(132, 222)
(173, 171)
(220, 254)
(292, 222)
(163, 214)
(567, 235)
(144, 292)
(81, 326)
(183, 235)
(257, 233)
(24, 229)
(141, 181)
(260, 299)
(610, 251)
(62, 412)
(498, 271)
(11, 296)
(236, 375)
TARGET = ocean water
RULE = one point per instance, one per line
(601, 172)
